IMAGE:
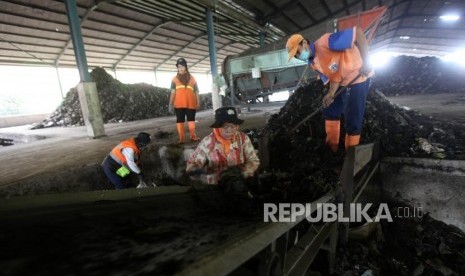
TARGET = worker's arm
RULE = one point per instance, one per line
(362, 44)
(173, 91)
(171, 102)
(251, 159)
(129, 154)
(346, 39)
(198, 160)
(197, 94)
(329, 97)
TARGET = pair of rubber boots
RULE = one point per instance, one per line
(182, 134)
(333, 129)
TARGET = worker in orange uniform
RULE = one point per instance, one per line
(124, 159)
(185, 100)
(341, 59)
(224, 149)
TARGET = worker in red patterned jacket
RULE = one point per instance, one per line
(341, 59)
(123, 160)
(225, 151)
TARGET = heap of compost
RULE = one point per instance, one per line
(119, 102)
(405, 75)
(401, 132)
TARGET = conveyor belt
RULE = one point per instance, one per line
(160, 234)
(160, 231)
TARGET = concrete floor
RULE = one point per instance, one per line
(68, 148)
(440, 106)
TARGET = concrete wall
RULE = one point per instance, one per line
(21, 120)
(437, 186)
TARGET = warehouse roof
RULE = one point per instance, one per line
(152, 34)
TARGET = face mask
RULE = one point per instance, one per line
(304, 55)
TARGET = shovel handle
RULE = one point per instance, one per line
(311, 115)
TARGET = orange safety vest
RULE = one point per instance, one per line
(118, 156)
(338, 66)
(184, 95)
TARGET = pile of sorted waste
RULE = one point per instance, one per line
(299, 160)
(407, 133)
(401, 132)
(427, 75)
(119, 102)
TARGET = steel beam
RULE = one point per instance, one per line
(76, 36)
(79, 23)
(228, 11)
(140, 42)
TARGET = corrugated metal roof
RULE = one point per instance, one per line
(152, 34)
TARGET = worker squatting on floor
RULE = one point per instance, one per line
(185, 99)
(337, 61)
(225, 153)
(124, 159)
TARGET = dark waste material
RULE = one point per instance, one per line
(405, 75)
(400, 132)
(408, 246)
(6, 142)
(119, 102)
(158, 236)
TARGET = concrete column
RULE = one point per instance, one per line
(216, 99)
(59, 82)
(90, 106)
(87, 89)
(261, 36)
(231, 88)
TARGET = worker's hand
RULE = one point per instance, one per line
(234, 173)
(195, 172)
(142, 183)
(328, 99)
(366, 69)
(170, 109)
(230, 179)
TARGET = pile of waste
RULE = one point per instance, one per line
(119, 102)
(407, 133)
(300, 157)
(401, 132)
(427, 75)
(406, 246)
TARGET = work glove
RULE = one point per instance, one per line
(171, 109)
(142, 183)
(231, 180)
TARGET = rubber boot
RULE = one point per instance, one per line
(352, 141)
(192, 134)
(332, 128)
(181, 133)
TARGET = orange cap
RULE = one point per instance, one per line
(292, 44)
